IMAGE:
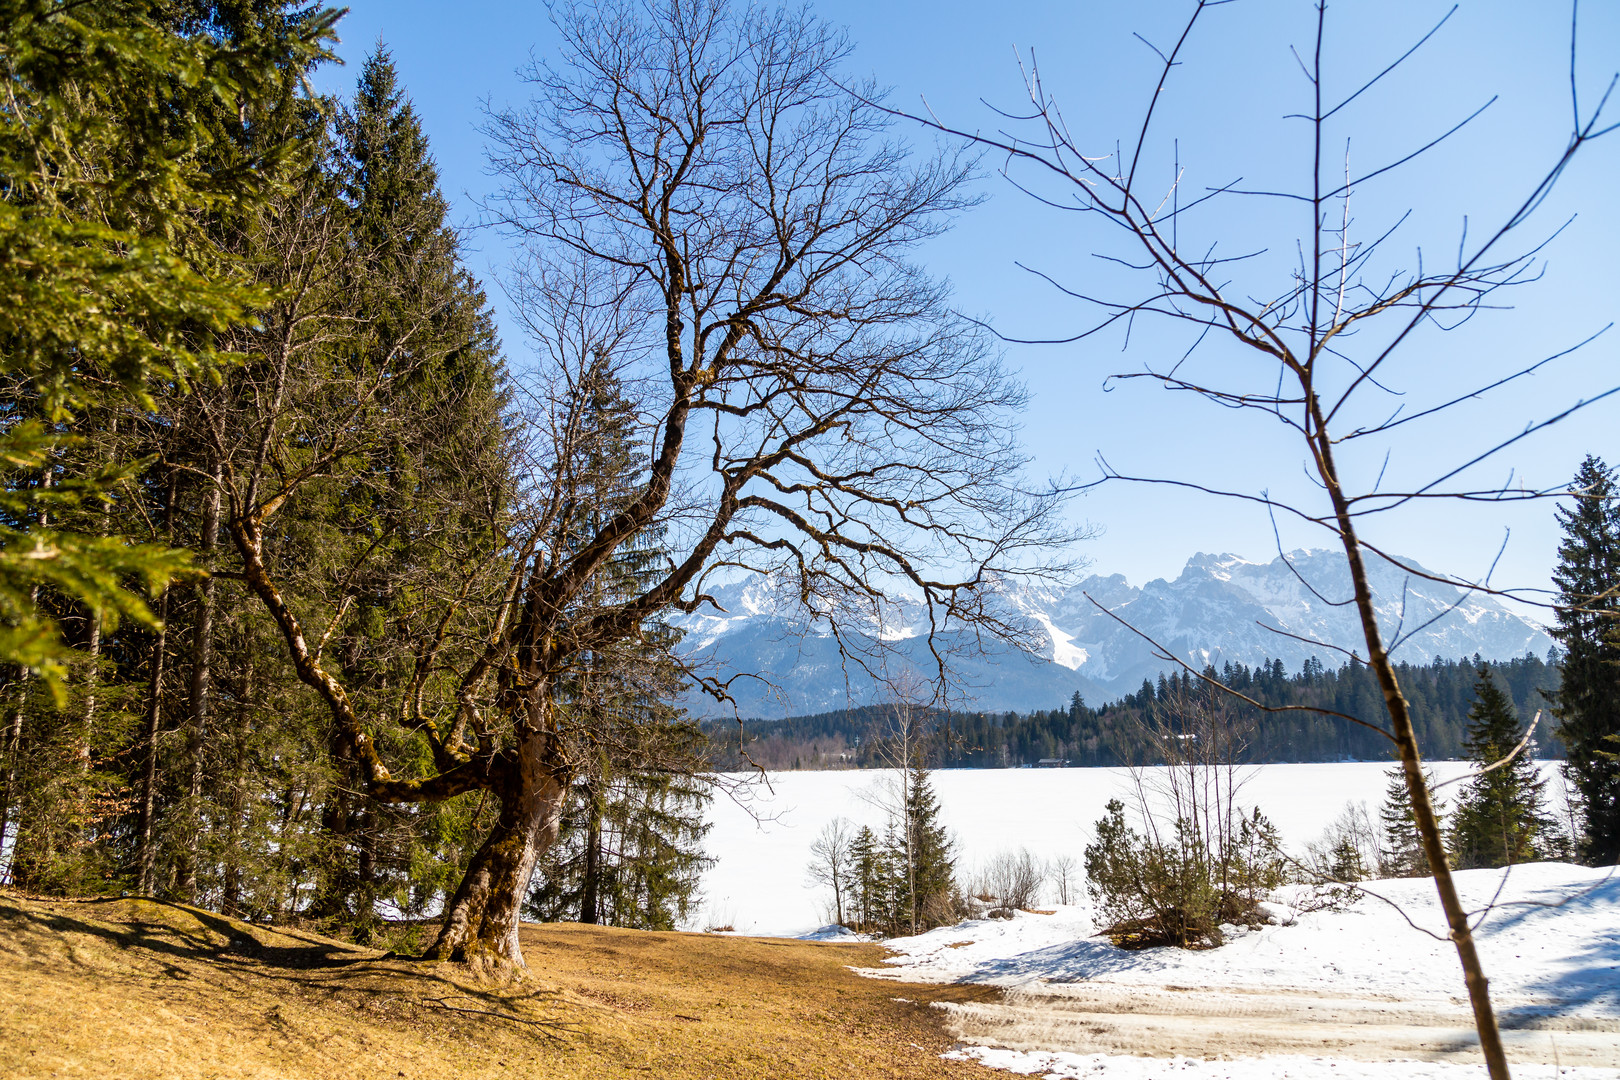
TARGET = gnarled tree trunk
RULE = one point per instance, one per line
(481, 920)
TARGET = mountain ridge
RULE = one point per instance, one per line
(1092, 637)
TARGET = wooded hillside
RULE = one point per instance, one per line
(1441, 693)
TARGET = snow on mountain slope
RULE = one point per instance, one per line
(1093, 637)
(740, 603)
(1223, 608)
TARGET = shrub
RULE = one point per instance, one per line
(1011, 879)
(1180, 891)
(1350, 849)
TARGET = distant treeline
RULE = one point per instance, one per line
(1440, 694)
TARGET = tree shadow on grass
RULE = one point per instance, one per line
(215, 938)
(200, 942)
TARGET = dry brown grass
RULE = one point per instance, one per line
(138, 989)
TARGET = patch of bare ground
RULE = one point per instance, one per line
(135, 988)
(1104, 1018)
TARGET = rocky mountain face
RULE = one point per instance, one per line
(1092, 637)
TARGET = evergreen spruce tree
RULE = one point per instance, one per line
(119, 153)
(1587, 703)
(1345, 863)
(433, 470)
(630, 844)
(629, 850)
(371, 304)
(925, 885)
(1499, 820)
(1402, 853)
(654, 860)
(107, 168)
(873, 876)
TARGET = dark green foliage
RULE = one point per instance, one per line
(68, 804)
(629, 850)
(904, 881)
(927, 895)
(1499, 819)
(417, 500)
(873, 867)
(109, 160)
(1439, 692)
(122, 146)
(629, 853)
(187, 760)
(1587, 703)
(1402, 853)
(1180, 888)
(1346, 863)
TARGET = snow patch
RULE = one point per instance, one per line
(834, 932)
(1549, 941)
(1064, 650)
(1063, 1066)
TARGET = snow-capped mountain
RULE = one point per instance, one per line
(1223, 608)
(1092, 637)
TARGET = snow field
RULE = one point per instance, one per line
(761, 840)
(1548, 934)
(1550, 944)
(1062, 1066)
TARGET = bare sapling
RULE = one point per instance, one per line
(1329, 349)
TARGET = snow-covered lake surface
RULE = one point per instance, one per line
(762, 842)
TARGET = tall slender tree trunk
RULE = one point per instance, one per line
(92, 679)
(13, 751)
(1428, 824)
(231, 902)
(144, 852)
(365, 872)
(839, 888)
(92, 683)
(335, 876)
(9, 799)
(590, 886)
(231, 879)
(201, 681)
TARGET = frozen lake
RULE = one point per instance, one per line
(762, 838)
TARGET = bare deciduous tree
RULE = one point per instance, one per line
(1063, 872)
(832, 859)
(1013, 878)
(711, 220)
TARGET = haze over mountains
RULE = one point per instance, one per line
(1221, 608)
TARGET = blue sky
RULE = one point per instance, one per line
(1224, 108)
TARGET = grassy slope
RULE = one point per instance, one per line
(134, 988)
